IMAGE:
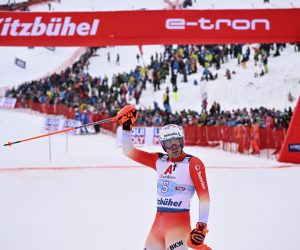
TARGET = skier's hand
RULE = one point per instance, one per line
(127, 116)
(197, 237)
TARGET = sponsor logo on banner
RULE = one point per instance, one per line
(55, 123)
(156, 136)
(52, 124)
(7, 102)
(218, 24)
(138, 135)
(72, 124)
(57, 26)
(294, 148)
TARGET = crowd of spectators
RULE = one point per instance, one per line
(77, 89)
(266, 118)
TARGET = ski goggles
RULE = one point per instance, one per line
(173, 143)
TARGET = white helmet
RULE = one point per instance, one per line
(171, 131)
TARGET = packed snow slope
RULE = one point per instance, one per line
(89, 188)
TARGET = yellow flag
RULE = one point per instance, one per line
(176, 96)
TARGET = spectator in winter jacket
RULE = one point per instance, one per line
(265, 64)
(118, 59)
(156, 80)
(215, 108)
(85, 120)
(77, 114)
(228, 74)
(205, 75)
(137, 94)
(96, 117)
(166, 101)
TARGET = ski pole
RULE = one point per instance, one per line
(127, 108)
(63, 131)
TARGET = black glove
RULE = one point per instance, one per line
(127, 125)
(128, 119)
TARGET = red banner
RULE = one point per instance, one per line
(149, 27)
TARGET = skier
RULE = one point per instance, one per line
(179, 175)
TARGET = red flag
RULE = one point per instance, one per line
(290, 150)
(141, 49)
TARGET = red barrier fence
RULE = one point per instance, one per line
(57, 109)
(234, 139)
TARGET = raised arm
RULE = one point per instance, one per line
(126, 117)
(143, 157)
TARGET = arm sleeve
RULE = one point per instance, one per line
(143, 157)
(197, 172)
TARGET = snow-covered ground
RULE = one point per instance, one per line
(80, 198)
